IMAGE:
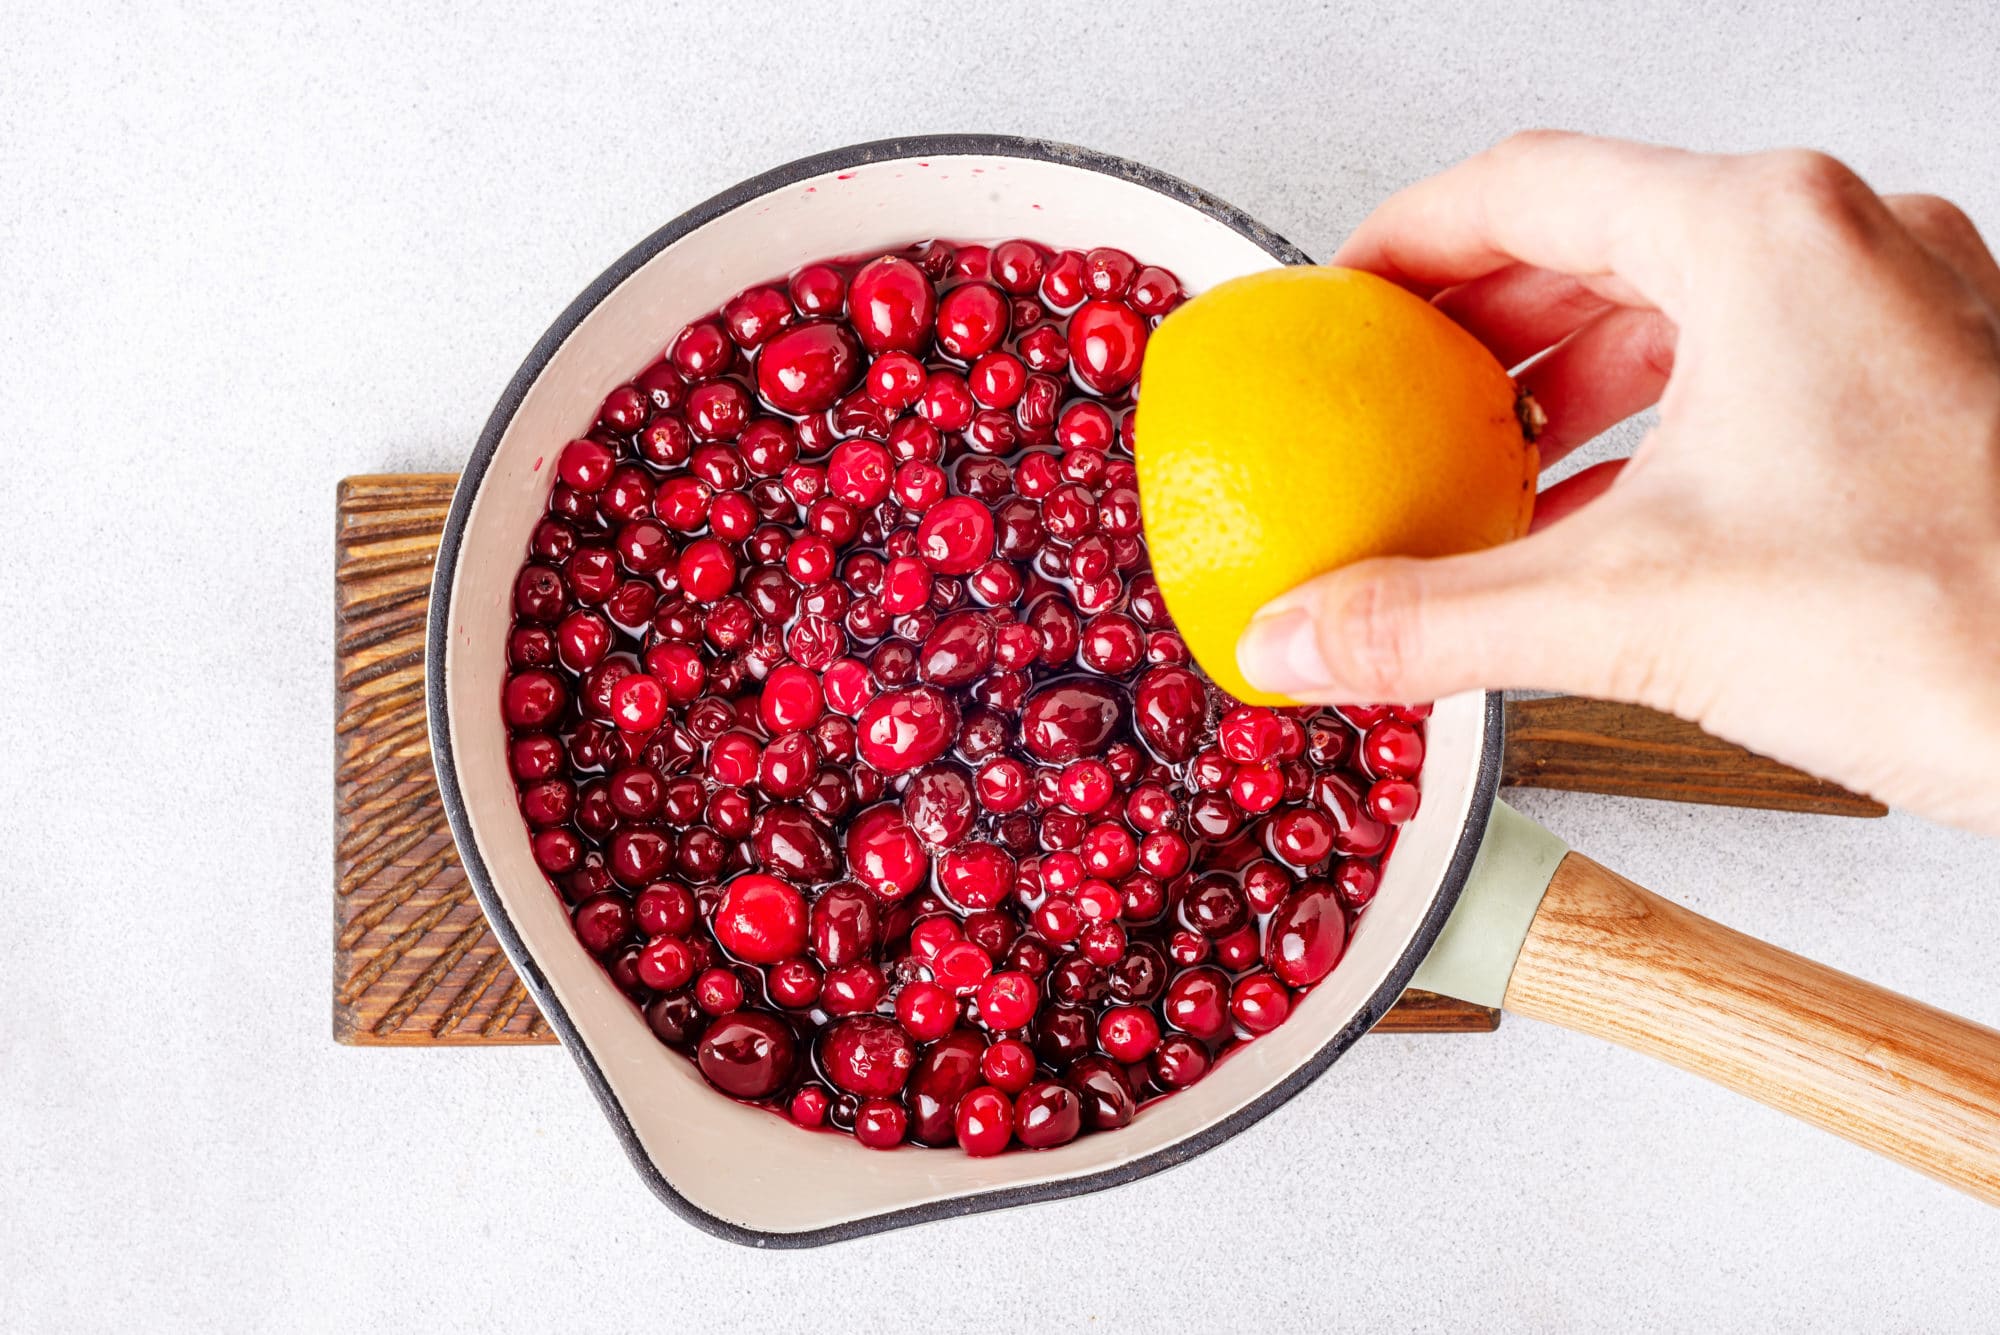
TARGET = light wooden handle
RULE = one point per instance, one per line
(1608, 958)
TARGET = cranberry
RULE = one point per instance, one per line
(676, 1020)
(867, 1055)
(1046, 1115)
(1107, 339)
(1104, 1094)
(1068, 719)
(976, 875)
(956, 536)
(881, 1124)
(1260, 1003)
(1392, 801)
(904, 730)
(809, 366)
(891, 304)
(761, 919)
(666, 963)
(1197, 1002)
(884, 854)
(937, 804)
(809, 1106)
(943, 1075)
(1306, 935)
(1169, 706)
(748, 1055)
(971, 319)
(1063, 280)
(983, 1122)
(1007, 1001)
(1179, 1062)
(602, 922)
(926, 1010)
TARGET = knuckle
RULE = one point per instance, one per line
(1809, 193)
(1375, 640)
(1941, 223)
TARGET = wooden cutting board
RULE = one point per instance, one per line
(414, 963)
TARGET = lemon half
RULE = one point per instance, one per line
(1296, 420)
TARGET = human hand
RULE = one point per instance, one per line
(1803, 556)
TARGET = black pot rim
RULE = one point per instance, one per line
(1456, 873)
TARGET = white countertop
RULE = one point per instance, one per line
(243, 254)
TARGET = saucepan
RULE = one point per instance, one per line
(1477, 902)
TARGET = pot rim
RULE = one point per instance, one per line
(1456, 872)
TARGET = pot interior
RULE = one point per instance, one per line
(744, 1167)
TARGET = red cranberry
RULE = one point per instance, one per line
(1068, 719)
(788, 841)
(937, 804)
(807, 367)
(794, 983)
(602, 923)
(904, 730)
(1046, 1115)
(1392, 801)
(884, 854)
(1063, 280)
(1107, 339)
(1260, 1003)
(852, 989)
(761, 919)
(867, 1055)
(748, 1055)
(1007, 1001)
(943, 1075)
(666, 963)
(664, 910)
(976, 875)
(1306, 935)
(1104, 1094)
(1169, 706)
(892, 305)
(754, 315)
(1180, 1062)
(1355, 882)
(809, 1106)
(984, 1122)
(1197, 1002)
(956, 536)
(971, 319)
(676, 1020)
(881, 1124)
(926, 1010)
(818, 289)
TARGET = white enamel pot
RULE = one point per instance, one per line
(1549, 935)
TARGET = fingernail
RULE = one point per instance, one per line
(1280, 653)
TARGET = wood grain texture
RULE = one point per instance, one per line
(414, 961)
(1594, 746)
(1608, 958)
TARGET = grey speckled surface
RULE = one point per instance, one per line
(244, 254)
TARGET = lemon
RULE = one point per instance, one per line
(1296, 420)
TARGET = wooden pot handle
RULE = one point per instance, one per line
(1607, 957)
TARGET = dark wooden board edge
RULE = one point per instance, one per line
(1594, 746)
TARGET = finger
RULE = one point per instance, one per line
(1520, 310)
(1943, 229)
(1571, 203)
(1544, 612)
(1613, 367)
(1563, 499)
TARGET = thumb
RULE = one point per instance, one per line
(1541, 612)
